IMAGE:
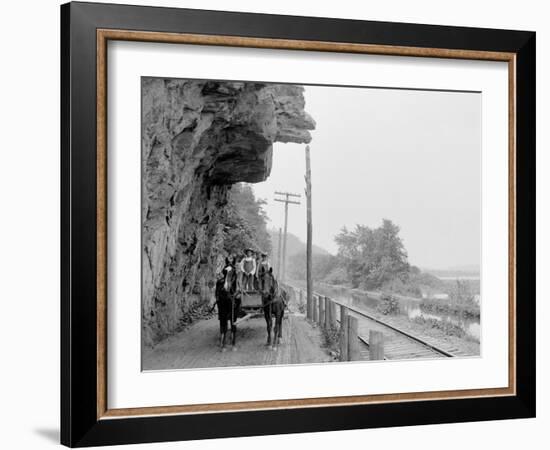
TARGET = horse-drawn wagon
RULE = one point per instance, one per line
(231, 301)
(251, 301)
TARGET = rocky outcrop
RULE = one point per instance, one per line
(198, 138)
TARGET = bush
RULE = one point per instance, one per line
(331, 338)
(449, 328)
(468, 309)
(388, 305)
(197, 311)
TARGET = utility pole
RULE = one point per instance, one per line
(279, 250)
(285, 197)
(309, 281)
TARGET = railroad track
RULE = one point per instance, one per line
(398, 344)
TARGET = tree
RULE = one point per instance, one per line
(373, 257)
(246, 222)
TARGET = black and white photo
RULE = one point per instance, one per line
(234, 173)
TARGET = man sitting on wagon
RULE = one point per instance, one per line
(263, 265)
(248, 269)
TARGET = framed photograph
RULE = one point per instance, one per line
(276, 224)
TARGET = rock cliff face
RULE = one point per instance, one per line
(199, 138)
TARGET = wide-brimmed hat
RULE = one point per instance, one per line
(246, 250)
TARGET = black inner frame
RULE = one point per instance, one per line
(79, 424)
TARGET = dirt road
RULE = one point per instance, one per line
(197, 346)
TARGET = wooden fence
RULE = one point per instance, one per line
(332, 315)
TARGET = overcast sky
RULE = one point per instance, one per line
(410, 156)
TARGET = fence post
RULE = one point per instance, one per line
(353, 339)
(333, 322)
(321, 311)
(328, 311)
(376, 345)
(343, 333)
(315, 309)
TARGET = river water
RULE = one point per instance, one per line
(408, 307)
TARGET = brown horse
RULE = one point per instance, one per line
(228, 304)
(273, 301)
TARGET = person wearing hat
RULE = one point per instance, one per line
(263, 264)
(248, 268)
